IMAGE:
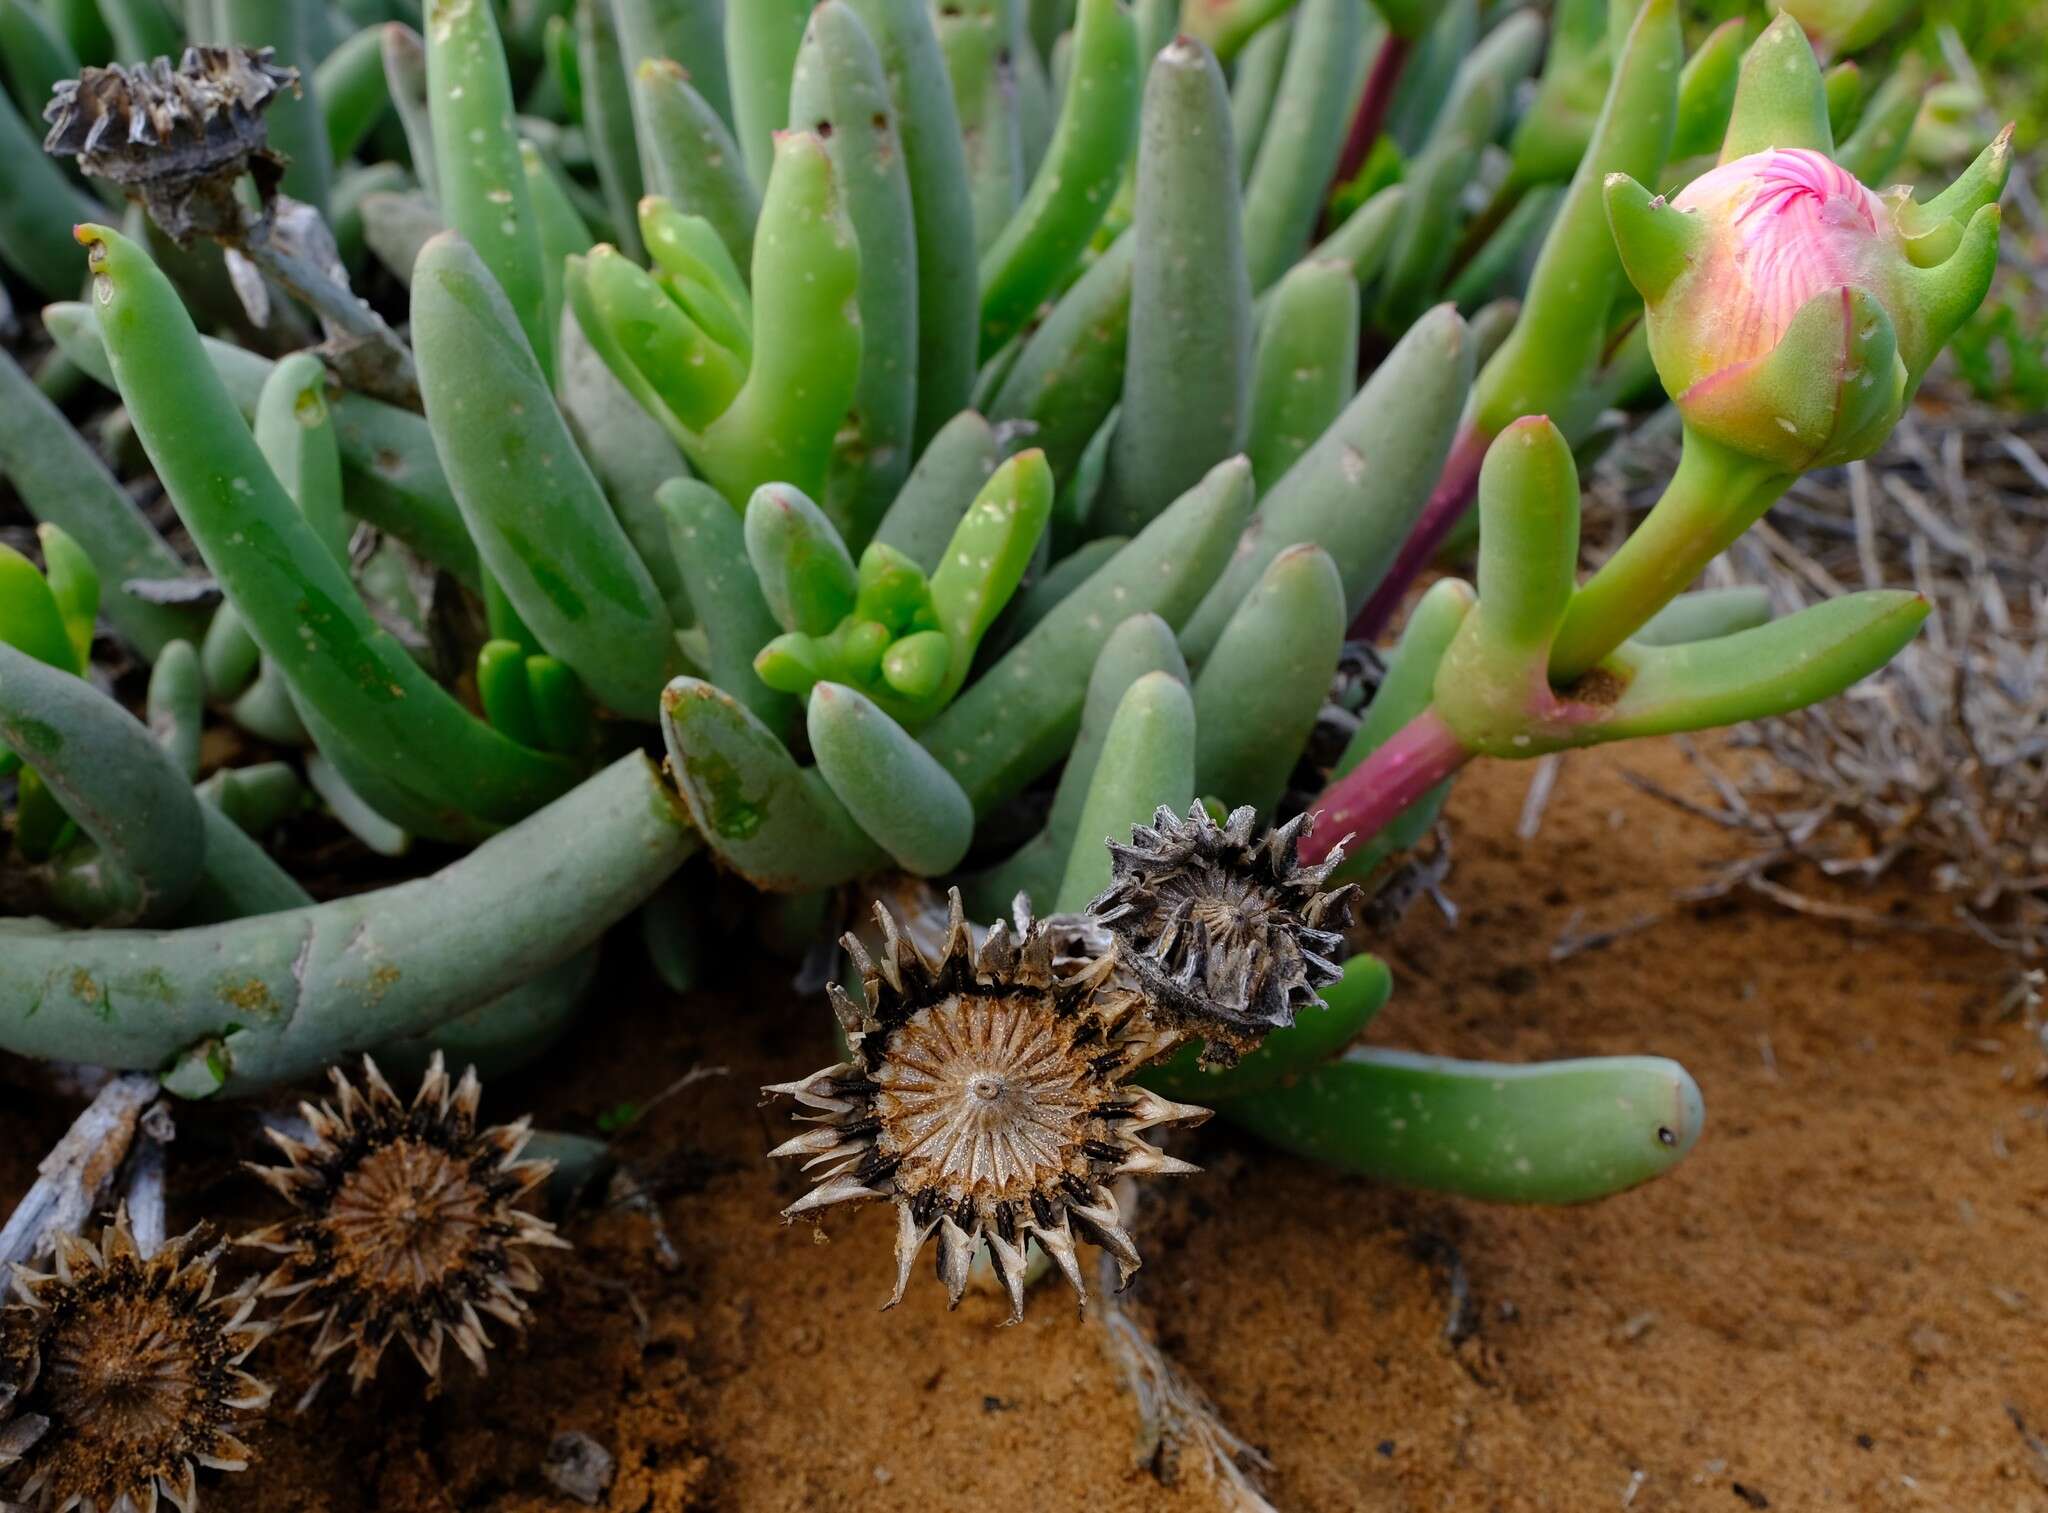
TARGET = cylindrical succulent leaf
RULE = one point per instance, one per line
(1019, 717)
(1556, 1132)
(1090, 151)
(933, 500)
(1359, 489)
(273, 999)
(687, 154)
(65, 485)
(1147, 763)
(1302, 138)
(807, 335)
(111, 777)
(935, 158)
(1306, 368)
(907, 803)
(176, 706)
(710, 549)
(806, 576)
(480, 180)
(1142, 644)
(840, 94)
(541, 522)
(778, 825)
(1349, 1006)
(296, 599)
(1069, 375)
(762, 38)
(608, 116)
(1187, 379)
(1262, 686)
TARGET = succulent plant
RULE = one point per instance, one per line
(939, 432)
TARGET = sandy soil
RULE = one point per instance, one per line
(1837, 1302)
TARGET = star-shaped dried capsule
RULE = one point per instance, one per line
(120, 1376)
(985, 1096)
(408, 1223)
(174, 137)
(1224, 930)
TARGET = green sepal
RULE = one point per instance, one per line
(1555, 1132)
(1657, 242)
(1828, 393)
(907, 803)
(1780, 100)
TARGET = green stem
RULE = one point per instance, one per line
(1713, 497)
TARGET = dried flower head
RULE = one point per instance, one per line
(985, 1096)
(1227, 933)
(175, 138)
(121, 1376)
(408, 1222)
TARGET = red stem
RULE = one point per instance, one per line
(1455, 488)
(1371, 115)
(1372, 795)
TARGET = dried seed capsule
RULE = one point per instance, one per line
(121, 1376)
(408, 1223)
(986, 1098)
(1228, 935)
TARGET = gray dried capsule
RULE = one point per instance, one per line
(408, 1224)
(121, 1377)
(985, 1096)
(1226, 932)
(175, 138)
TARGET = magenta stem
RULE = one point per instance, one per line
(1455, 489)
(1368, 798)
(1371, 116)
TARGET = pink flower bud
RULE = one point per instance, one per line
(1782, 226)
(1791, 310)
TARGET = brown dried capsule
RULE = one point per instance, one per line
(408, 1223)
(175, 138)
(985, 1097)
(120, 1377)
(1227, 934)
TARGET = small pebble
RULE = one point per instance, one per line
(578, 1466)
